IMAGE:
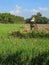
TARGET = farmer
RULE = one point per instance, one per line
(32, 23)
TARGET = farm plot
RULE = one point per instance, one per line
(14, 51)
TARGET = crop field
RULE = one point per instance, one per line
(38, 27)
(14, 51)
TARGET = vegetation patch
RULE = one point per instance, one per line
(24, 51)
(33, 34)
(28, 50)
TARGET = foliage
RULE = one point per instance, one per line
(33, 34)
(39, 19)
(8, 18)
(14, 51)
(27, 20)
(24, 51)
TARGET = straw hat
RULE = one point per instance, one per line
(33, 19)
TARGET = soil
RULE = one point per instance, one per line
(38, 27)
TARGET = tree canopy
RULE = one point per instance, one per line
(8, 18)
(38, 19)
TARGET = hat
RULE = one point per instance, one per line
(33, 19)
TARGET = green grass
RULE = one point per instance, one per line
(15, 51)
(7, 28)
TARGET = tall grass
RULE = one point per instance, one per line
(24, 51)
(5, 29)
(33, 34)
(14, 51)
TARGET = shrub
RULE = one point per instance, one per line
(33, 34)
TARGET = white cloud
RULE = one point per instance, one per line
(34, 11)
(18, 7)
(21, 11)
(16, 11)
(40, 9)
(28, 12)
(43, 9)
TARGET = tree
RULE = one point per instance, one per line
(8, 18)
(27, 20)
(39, 19)
(39, 14)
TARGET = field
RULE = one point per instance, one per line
(14, 51)
(38, 27)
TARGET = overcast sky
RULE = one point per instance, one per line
(25, 8)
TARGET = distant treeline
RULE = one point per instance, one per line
(8, 18)
(39, 19)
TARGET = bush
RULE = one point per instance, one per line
(33, 34)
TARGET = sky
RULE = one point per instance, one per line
(25, 8)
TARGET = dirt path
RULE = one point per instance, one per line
(44, 27)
